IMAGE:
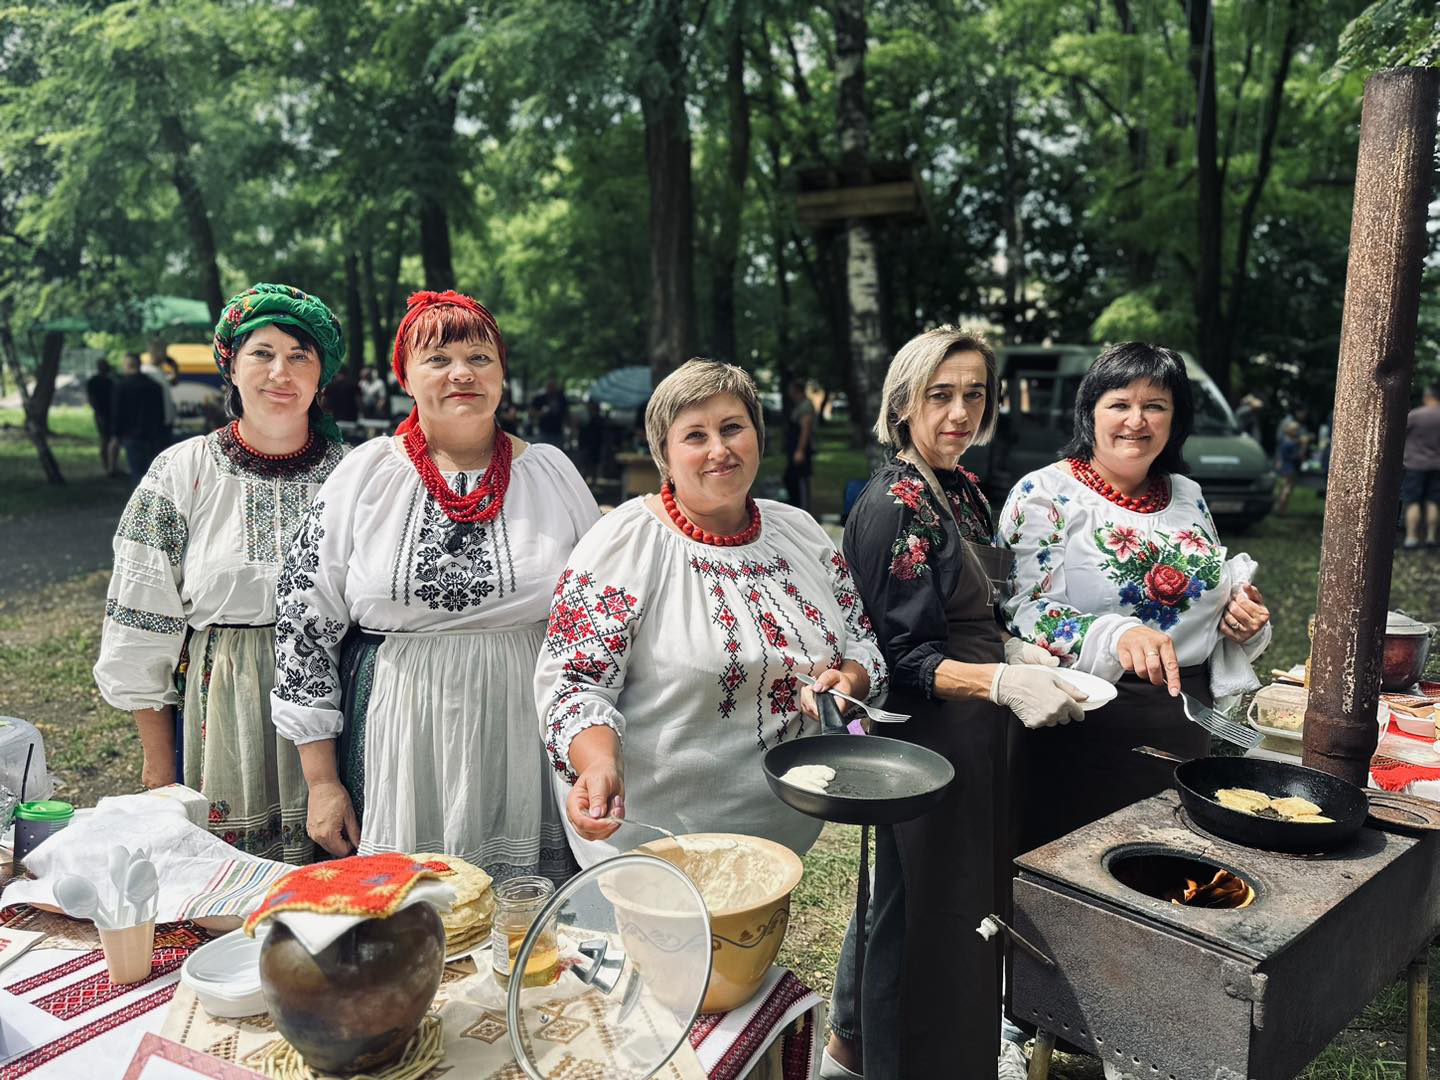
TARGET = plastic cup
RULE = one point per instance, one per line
(129, 952)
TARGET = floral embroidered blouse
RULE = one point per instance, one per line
(200, 543)
(689, 652)
(902, 547)
(1087, 570)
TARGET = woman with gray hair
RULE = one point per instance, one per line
(919, 543)
(678, 630)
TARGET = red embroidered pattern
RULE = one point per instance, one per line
(70, 1040)
(590, 629)
(368, 885)
(97, 989)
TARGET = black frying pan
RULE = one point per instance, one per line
(1199, 779)
(877, 781)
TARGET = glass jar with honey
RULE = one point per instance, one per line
(517, 902)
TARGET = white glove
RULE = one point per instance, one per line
(1037, 697)
(1020, 651)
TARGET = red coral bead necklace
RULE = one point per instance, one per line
(690, 529)
(489, 489)
(240, 441)
(1156, 496)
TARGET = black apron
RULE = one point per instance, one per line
(955, 860)
(1066, 777)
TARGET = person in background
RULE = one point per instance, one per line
(1289, 455)
(374, 395)
(799, 445)
(592, 444)
(551, 414)
(1247, 416)
(137, 417)
(170, 368)
(342, 397)
(100, 392)
(152, 366)
(1420, 483)
(188, 645)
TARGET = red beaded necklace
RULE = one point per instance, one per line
(1156, 496)
(239, 440)
(690, 529)
(489, 489)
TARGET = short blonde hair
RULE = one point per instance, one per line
(694, 382)
(912, 369)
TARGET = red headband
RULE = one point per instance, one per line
(423, 301)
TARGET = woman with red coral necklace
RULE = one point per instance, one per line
(432, 556)
(679, 631)
(1120, 573)
(189, 638)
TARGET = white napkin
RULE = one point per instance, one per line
(1231, 673)
(188, 860)
(318, 931)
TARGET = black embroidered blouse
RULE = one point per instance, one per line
(903, 549)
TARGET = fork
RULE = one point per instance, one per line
(880, 716)
(1219, 725)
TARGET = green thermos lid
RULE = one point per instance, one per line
(45, 810)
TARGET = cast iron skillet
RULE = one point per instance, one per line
(1199, 779)
(877, 781)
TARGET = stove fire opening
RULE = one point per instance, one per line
(1182, 881)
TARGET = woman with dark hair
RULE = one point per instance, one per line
(1119, 573)
(433, 556)
(188, 644)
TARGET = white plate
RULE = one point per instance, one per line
(1101, 692)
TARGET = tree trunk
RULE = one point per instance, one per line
(862, 265)
(374, 309)
(435, 253)
(671, 338)
(354, 312)
(1012, 193)
(36, 403)
(732, 200)
(192, 205)
(1209, 211)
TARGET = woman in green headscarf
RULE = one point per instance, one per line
(189, 639)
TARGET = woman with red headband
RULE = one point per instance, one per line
(432, 557)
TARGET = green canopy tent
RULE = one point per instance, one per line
(146, 315)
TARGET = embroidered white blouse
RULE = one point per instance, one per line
(200, 544)
(372, 552)
(1087, 570)
(689, 652)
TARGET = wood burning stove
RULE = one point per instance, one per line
(1222, 990)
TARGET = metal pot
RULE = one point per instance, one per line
(355, 1005)
(1407, 647)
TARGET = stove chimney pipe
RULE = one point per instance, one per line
(1372, 388)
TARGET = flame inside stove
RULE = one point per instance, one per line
(1224, 890)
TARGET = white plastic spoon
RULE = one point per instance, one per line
(141, 885)
(78, 898)
(119, 868)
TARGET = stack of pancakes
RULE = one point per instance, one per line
(467, 923)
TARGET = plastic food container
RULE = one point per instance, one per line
(1278, 712)
(225, 976)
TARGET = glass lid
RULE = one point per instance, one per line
(621, 953)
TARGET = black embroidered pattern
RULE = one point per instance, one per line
(151, 519)
(453, 580)
(233, 459)
(304, 668)
(136, 619)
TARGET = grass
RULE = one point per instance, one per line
(75, 443)
(48, 644)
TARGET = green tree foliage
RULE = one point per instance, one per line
(617, 179)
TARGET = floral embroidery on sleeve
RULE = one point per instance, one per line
(911, 554)
(1061, 630)
(1159, 578)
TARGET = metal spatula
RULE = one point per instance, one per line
(1219, 725)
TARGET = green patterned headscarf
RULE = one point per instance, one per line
(266, 305)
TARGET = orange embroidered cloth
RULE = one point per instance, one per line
(367, 886)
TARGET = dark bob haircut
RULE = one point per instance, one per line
(1118, 367)
(235, 408)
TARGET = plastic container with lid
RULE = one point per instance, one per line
(36, 821)
(1278, 712)
(225, 976)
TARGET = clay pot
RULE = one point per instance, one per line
(356, 1004)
